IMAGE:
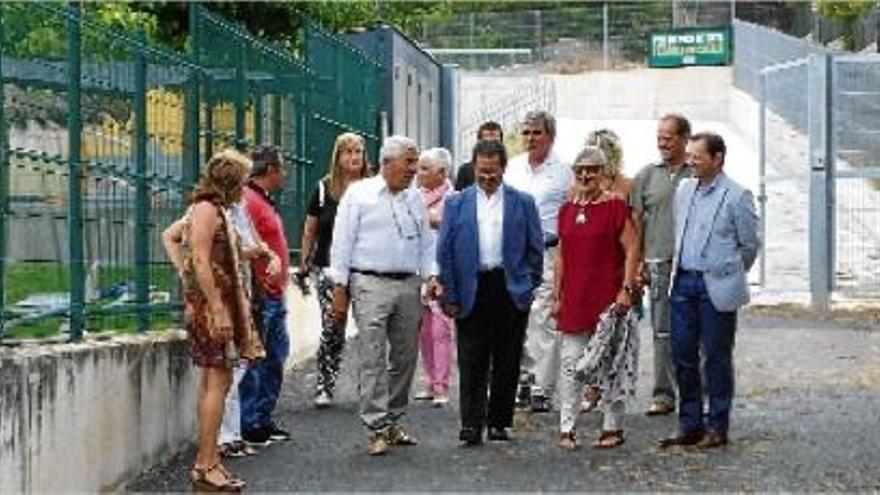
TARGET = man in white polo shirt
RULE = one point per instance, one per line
(540, 173)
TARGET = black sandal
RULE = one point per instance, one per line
(615, 437)
(200, 481)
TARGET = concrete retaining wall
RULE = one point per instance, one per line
(84, 417)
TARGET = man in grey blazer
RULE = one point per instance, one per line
(716, 242)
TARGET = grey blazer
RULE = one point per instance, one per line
(730, 246)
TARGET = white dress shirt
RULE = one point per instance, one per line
(548, 184)
(382, 232)
(490, 223)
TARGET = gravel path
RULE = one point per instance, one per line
(806, 418)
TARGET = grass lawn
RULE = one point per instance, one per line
(24, 279)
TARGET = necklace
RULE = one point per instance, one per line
(581, 217)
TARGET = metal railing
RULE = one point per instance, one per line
(103, 134)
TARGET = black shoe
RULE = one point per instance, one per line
(276, 434)
(497, 434)
(540, 404)
(691, 438)
(470, 436)
(259, 436)
(523, 394)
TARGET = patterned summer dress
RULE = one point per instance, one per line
(210, 346)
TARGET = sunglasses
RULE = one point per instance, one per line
(532, 132)
(588, 169)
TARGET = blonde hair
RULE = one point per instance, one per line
(592, 155)
(609, 142)
(335, 173)
(222, 178)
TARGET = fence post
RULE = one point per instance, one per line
(258, 116)
(830, 172)
(240, 94)
(74, 186)
(605, 35)
(142, 206)
(762, 172)
(192, 158)
(4, 189)
(819, 254)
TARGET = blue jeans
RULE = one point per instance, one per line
(698, 327)
(261, 385)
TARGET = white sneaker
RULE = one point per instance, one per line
(440, 400)
(323, 400)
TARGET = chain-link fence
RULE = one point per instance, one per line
(102, 137)
(820, 161)
(607, 35)
(803, 20)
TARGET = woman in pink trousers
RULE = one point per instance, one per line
(435, 338)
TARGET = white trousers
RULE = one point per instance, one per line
(230, 428)
(541, 352)
(571, 391)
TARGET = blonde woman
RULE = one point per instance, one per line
(221, 332)
(612, 178)
(595, 270)
(348, 164)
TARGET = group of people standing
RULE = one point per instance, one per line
(529, 269)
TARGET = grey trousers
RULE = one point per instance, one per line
(541, 352)
(387, 314)
(661, 323)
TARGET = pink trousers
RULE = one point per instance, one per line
(435, 344)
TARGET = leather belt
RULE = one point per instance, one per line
(391, 275)
(695, 273)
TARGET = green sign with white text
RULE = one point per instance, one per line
(690, 46)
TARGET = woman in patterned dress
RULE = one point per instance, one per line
(218, 321)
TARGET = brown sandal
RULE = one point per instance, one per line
(200, 481)
(610, 439)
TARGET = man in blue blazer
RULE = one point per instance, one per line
(490, 253)
(716, 242)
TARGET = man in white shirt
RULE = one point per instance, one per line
(382, 249)
(540, 173)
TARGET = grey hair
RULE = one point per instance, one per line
(545, 118)
(593, 155)
(438, 158)
(395, 146)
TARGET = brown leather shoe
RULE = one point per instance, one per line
(712, 441)
(682, 439)
(397, 436)
(377, 444)
(660, 408)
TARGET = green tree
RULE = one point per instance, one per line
(847, 13)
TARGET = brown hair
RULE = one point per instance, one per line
(334, 174)
(222, 178)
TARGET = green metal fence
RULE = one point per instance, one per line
(101, 139)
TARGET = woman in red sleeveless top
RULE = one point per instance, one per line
(596, 268)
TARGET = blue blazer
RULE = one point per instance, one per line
(458, 248)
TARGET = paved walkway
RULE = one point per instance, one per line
(806, 418)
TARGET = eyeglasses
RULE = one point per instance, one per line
(532, 132)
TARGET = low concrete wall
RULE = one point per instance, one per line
(88, 416)
(84, 417)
